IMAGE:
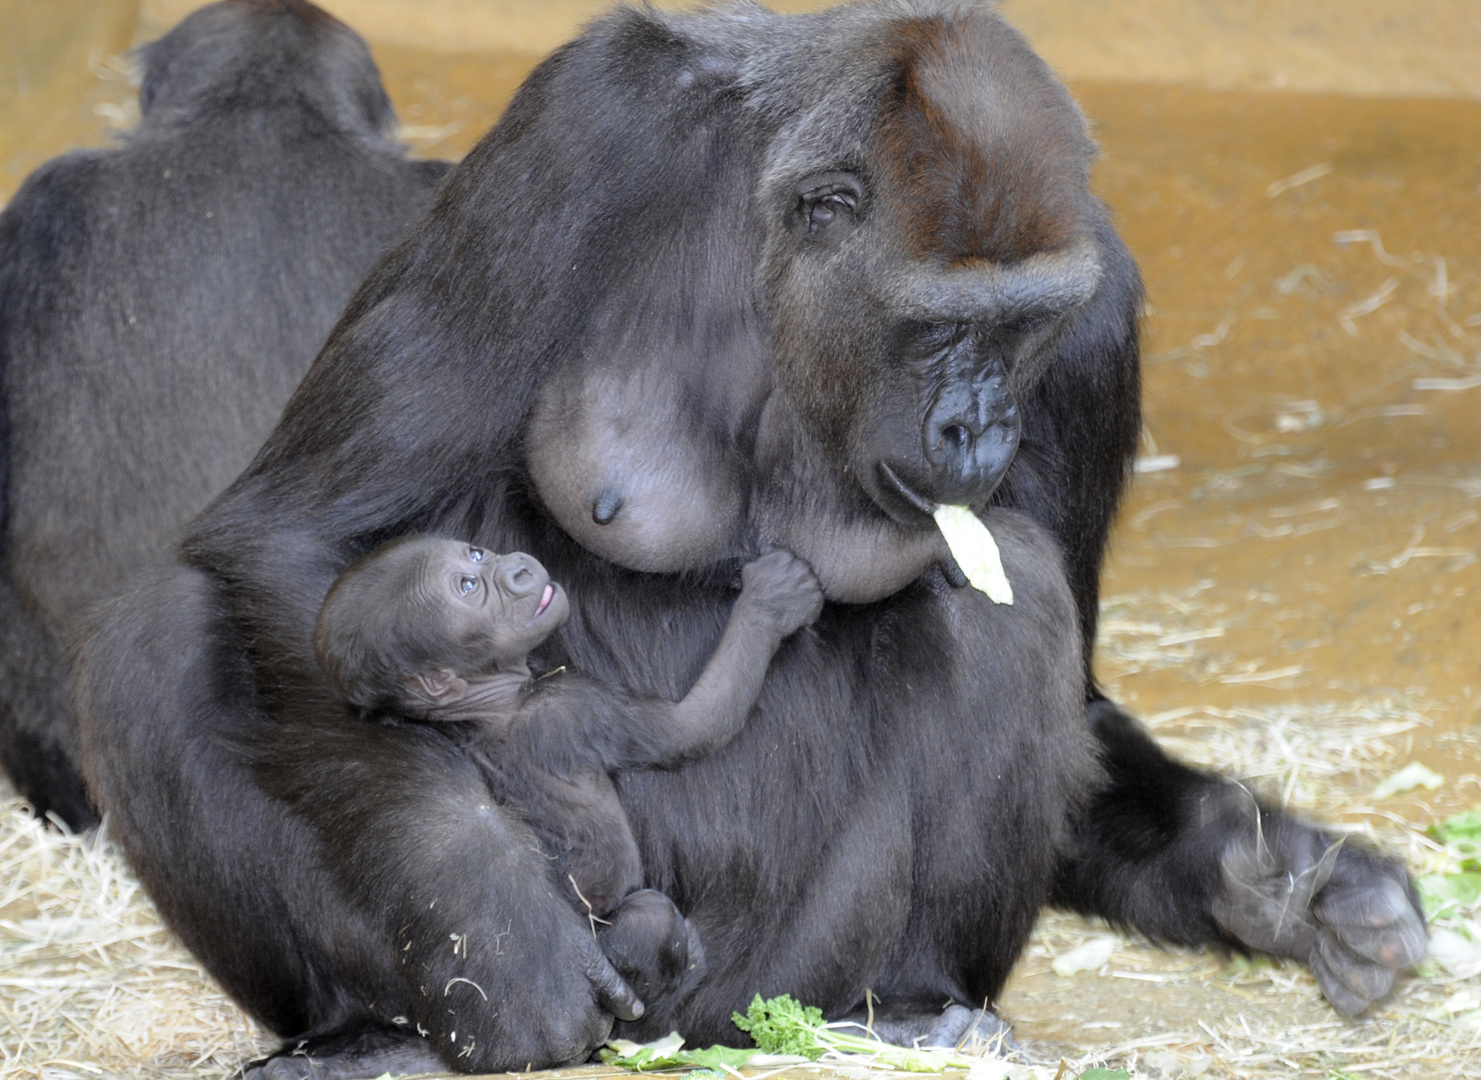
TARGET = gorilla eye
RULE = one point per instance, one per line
(466, 585)
(825, 202)
(1026, 324)
(475, 554)
(937, 336)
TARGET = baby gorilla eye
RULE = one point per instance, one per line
(467, 584)
(475, 554)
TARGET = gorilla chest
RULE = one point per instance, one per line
(632, 473)
(652, 470)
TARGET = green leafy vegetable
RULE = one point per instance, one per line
(1437, 892)
(1105, 1074)
(1415, 774)
(782, 1026)
(787, 1033)
(1463, 833)
(783, 1023)
(668, 1053)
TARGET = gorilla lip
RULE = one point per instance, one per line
(920, 502)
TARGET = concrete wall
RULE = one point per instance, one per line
(1409, 47)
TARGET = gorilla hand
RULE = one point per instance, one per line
(1352, 915)
(613, 993)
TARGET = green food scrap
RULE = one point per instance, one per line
(786, 1033)
(782, 1026)
(1105, 1074)
(669, 1053)
(1440, 892)
(1415, 774)
(975, 551)
(1462, 832)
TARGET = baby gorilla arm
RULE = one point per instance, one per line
(779, 594)
(573, 723)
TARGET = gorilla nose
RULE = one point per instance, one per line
(519, 574)
(971, 434)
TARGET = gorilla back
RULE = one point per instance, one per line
(716, 282)
(158, 303)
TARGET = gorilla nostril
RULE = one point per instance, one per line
(957, 436)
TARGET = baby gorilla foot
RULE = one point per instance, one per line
(913, 1024)
(651, 943)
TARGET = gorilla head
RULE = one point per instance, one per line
(882, 282)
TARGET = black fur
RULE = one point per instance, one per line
(158, 303)
(698, 265)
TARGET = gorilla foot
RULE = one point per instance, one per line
(360, 1055)
(960, 1026)
(1351, 914)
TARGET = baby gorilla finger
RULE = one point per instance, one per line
(784, 588)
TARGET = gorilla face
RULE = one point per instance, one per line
(906, 369)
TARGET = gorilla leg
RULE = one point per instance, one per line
(1187, 857)
(372, 894)
(911, 1024)
(37, 732)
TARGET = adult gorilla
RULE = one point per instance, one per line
(716, 282)
(159, 301)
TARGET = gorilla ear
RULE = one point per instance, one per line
(827, 206)
(438, 686)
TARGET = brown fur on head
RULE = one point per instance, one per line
(986, 150)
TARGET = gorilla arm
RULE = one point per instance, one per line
(1179, 854)
(1163, 842)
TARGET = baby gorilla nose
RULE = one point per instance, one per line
(519, 574)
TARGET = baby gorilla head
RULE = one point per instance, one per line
(430, 627)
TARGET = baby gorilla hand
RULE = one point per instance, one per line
(781, 591)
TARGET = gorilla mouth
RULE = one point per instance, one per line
(949, 568)
(892, 482)
(545, 598)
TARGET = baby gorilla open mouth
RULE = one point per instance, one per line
(545, 598)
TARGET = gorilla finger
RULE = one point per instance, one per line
(1366, 903)
(1334, 990)
(1363, 977)
(1265, 919)
(612, 991)
(952, 571)
(973, 1030)
(1337, 994)
(1378, 921)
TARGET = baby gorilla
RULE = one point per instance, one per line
(440, 630)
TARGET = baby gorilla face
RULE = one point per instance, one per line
(506, 601)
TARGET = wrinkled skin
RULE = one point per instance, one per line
(716, 282)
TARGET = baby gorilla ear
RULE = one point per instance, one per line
(437, 687)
